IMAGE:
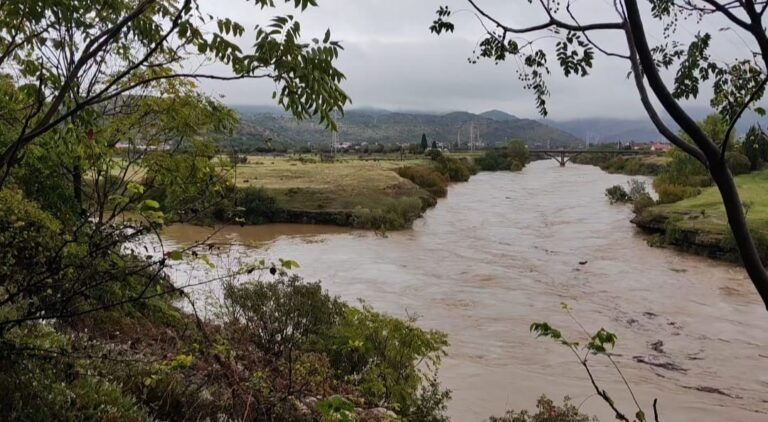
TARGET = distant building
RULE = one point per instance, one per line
(660, 146)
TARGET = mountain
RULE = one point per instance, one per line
(498, 115)
(599, 130)
(602, 130)
(259, 125)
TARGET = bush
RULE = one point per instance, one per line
(454, 169)
(381, 353)
(281, 316)
(683, 170)
(617, 194)
(546, 411)
(642, 202)
(737, 163)
(513, 158)
(382, 357)
(631, 166)
(426, 178)
(493, 161)
(673, 193)
(396, 214)
(257, 206)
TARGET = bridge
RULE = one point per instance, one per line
(562, 156)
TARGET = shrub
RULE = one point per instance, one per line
(396, 214)
(683, 170)
(434, 154)
(616, 194)
(636, 189)
(427, 178)
(280, 316)
(514, 158)
(257, 206)
(642, 202)
(737, 163)
(673, 193)
(493, 161)
(546, 411)
(453, 168)
(381, 353)
(389, 361)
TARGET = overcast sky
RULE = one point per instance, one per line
(392, 61)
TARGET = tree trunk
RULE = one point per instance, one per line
(77, 185)
(737, 220)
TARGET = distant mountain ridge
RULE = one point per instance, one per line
(259, 124)
(603, 130)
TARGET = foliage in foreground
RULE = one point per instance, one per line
(597, 344)
(280, 349)
(546, 411)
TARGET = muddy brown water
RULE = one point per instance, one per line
(504, 250)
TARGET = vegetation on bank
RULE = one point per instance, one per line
(512, 158)
(275, 348)
(699, 223)
(689, 212)
(631, 166)
(371, 194)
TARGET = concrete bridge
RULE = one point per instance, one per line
(563, 156)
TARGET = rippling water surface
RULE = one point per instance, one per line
(502, 251)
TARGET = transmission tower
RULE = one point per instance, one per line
(334, 142)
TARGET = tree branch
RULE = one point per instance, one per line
(655, 81)
(755, 94)
(552, 22)
(655, 118)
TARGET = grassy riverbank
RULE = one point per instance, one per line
(353, 192)
(648, 165)
(699, 224)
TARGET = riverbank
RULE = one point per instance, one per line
(502, 251)
(649, 165)
(699, 224)
(368, 194)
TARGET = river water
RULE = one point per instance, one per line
(504, 250)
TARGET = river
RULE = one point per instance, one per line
(504, 250)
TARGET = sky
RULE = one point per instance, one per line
(391, 60)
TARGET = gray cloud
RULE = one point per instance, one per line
(392, 61)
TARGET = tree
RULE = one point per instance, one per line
(736, 85)
(105, 138)
(424, 143)
(755, 147)
(434, 144)
(68, 57)
(518, 153)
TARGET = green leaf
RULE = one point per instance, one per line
(176, 255)
(151, 203)
(288, 264)
(208, 261)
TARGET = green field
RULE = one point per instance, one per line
(699, 224)
(705, 212)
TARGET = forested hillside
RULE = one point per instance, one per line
(260, 127)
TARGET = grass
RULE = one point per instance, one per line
(706, 212)
(700, 225)
(341, 185)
